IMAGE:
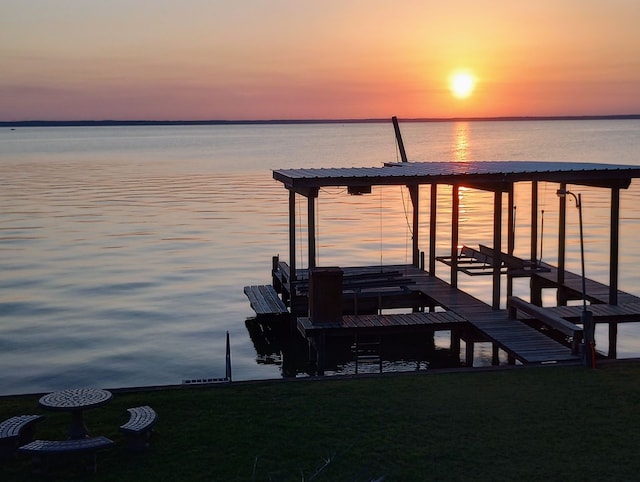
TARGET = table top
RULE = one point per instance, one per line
(75, 399)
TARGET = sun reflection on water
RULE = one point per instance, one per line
(460, 147)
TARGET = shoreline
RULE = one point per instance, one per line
(601, 363)
(107, 122)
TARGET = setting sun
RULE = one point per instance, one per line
(462, 84)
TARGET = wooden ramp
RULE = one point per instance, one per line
(265, 301)
(514, 337)
(520, 340)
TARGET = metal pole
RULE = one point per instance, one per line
(228, 360)
(396, 128)
(584, 282)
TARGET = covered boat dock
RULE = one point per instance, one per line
(526, 334)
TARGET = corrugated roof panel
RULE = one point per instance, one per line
(448, 171)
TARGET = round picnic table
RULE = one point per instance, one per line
(76, 400)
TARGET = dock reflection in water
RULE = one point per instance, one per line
(275, 342)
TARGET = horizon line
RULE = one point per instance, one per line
(115, 122)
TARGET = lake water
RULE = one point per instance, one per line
(124, 250)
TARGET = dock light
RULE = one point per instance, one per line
(586, 316)
(358, 190)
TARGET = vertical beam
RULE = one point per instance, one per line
(455, 344)
(511, 221)
(534, 221)
(414, 192)
(562, 240)
(292, 240)
(497, 247)
(468, 357)
(613, 249)
(311, 226)
(613, 340)
(455, 218)
(432, 229)
(321, 356)
(511, 233)
(495, 355)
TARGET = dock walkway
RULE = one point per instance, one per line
(514, 337)
(382, 324)
(596, 292)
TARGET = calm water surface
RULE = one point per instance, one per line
(124, 250)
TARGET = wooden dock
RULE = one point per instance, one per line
(353, 301)
(516, 337)
(519, 340)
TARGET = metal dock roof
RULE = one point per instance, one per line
(455, 172)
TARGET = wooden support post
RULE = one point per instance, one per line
(320, 342)
(534, 220)
(414, 192)
(613, 340)
(455, 343)
(511, 234)
(495, 358)
(511, 221)
(613, 249)
(432, 229)
(497, 247)
(468, 358)
(536, 291)
(511, 360)
(292, 242)
(311, 226)
(455, 228)
(562, 240)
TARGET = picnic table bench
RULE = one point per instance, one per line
(139, 427)
(43, 450)
(16, 431)
(481, 261)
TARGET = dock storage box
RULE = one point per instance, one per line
(325, 295)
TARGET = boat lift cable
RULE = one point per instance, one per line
(406, 214)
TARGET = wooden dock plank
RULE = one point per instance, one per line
(596, 292)
(264, 300)
(629, 312)
(406, 323)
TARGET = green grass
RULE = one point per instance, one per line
(553, 423)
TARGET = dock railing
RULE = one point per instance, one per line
(575, 332)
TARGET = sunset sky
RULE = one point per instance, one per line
(297, 59)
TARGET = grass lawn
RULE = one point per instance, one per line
(548, 423)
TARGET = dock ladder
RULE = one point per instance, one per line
(367, 352)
